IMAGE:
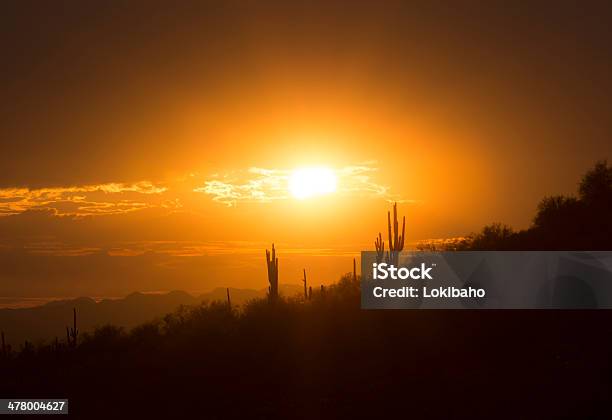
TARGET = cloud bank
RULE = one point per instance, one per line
(253, 185)
(260, 185)
(80, 201)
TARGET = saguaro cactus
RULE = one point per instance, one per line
(272, 262)
(72, 333)
(380, 248)
(396, 241)
(229, 301)
(305, 286)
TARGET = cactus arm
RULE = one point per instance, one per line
(395, 227)
(72, 333)
(380, 248)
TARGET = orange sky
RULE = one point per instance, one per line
(124, 129)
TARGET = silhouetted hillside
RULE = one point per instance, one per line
(326, 358)
(49, 321)
(576, 223)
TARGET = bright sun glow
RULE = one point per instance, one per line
(309, 182)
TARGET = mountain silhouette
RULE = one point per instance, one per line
(45, 322)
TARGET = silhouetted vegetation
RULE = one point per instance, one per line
(48, 321)
(5, 350)
(325, 357)
(561, 223)
(272, 264)
(72, 334)
(396, 240)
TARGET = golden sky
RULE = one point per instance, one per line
(150, 148)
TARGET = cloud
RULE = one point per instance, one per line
(253, 185)
(217, 248)
(260, 185)
(81, 201)
(59, 249)
(169, 248)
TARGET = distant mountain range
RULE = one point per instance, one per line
(48, 321)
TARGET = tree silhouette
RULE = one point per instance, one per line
(491, 236)
(560, 223)
(595, 188)
(554, 211)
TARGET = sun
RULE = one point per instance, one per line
(309, 182)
